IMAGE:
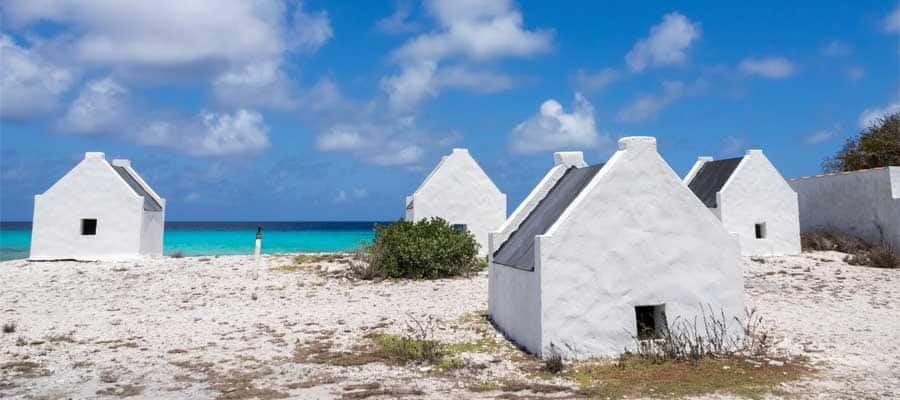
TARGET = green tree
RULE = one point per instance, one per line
(876, 146)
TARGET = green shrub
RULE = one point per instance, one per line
(426, 249)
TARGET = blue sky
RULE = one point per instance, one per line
(319, 110)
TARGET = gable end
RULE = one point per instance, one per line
(710, 179)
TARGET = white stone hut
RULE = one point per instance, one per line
(98, 211)
(594, 252)
(863, 203)
(752, 200)
(459, 191)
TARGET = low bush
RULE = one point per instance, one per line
(878, 257)
(832, 241)
(426, 249)
(859, 252)
(176, 254)
(9, 327)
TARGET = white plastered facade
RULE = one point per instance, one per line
(94, 190)
(460, 192)
(756, 193)
(863, 203)
(634, 236)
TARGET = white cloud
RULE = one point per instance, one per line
(892, 21)
(103, 106)
(260, 84)
(29, 84)
(667, 44)
(871, 116)
(648, 106)
(173, 38)
(397, 22)
(384, 142)
(242, 132)
(837, 48)
(591, 82)
(770, 67)
(310, 31)
(414, 83)
(340, 138)
(553, 129)
(473, 31)
(820, 136)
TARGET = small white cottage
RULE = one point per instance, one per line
(862, 203)
(752, 200)
(595, 252)
(98, 211)
(459, 191)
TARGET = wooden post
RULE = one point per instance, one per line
(258, 243)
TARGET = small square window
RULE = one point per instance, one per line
(760, 230)
(89, 227)
(460, 227)
(651, 321)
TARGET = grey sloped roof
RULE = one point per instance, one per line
(150, 203)
(711, 177)
(518, 250)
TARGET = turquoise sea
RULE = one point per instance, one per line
(224, 238)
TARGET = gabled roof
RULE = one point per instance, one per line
(518, 250)
(150, 203)
(711, 177)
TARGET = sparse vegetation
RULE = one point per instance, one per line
(553, 362)
(426, 249)
(417, 344)
(859, 252)
(176, 254)
(633, 376)
(877, 145)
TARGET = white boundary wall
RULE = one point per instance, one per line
(94, 190)
(636, 235)
(860, 203)
(459, 191)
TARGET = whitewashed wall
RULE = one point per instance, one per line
(636, 235)
(757, 193)
(91, 190)
(862, 203)
(459, 191)
(512, 300)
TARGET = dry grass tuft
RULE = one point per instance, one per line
(9, 327)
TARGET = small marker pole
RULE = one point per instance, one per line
(258, 243)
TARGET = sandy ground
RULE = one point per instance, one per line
(224, 327)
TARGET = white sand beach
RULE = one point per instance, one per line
(223, 327)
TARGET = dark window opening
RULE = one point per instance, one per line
(89, 227)
(460, 227)
(651, 321)
(760, 230)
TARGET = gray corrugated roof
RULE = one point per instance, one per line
(150, 203)
(518, 250)
(710, 179)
